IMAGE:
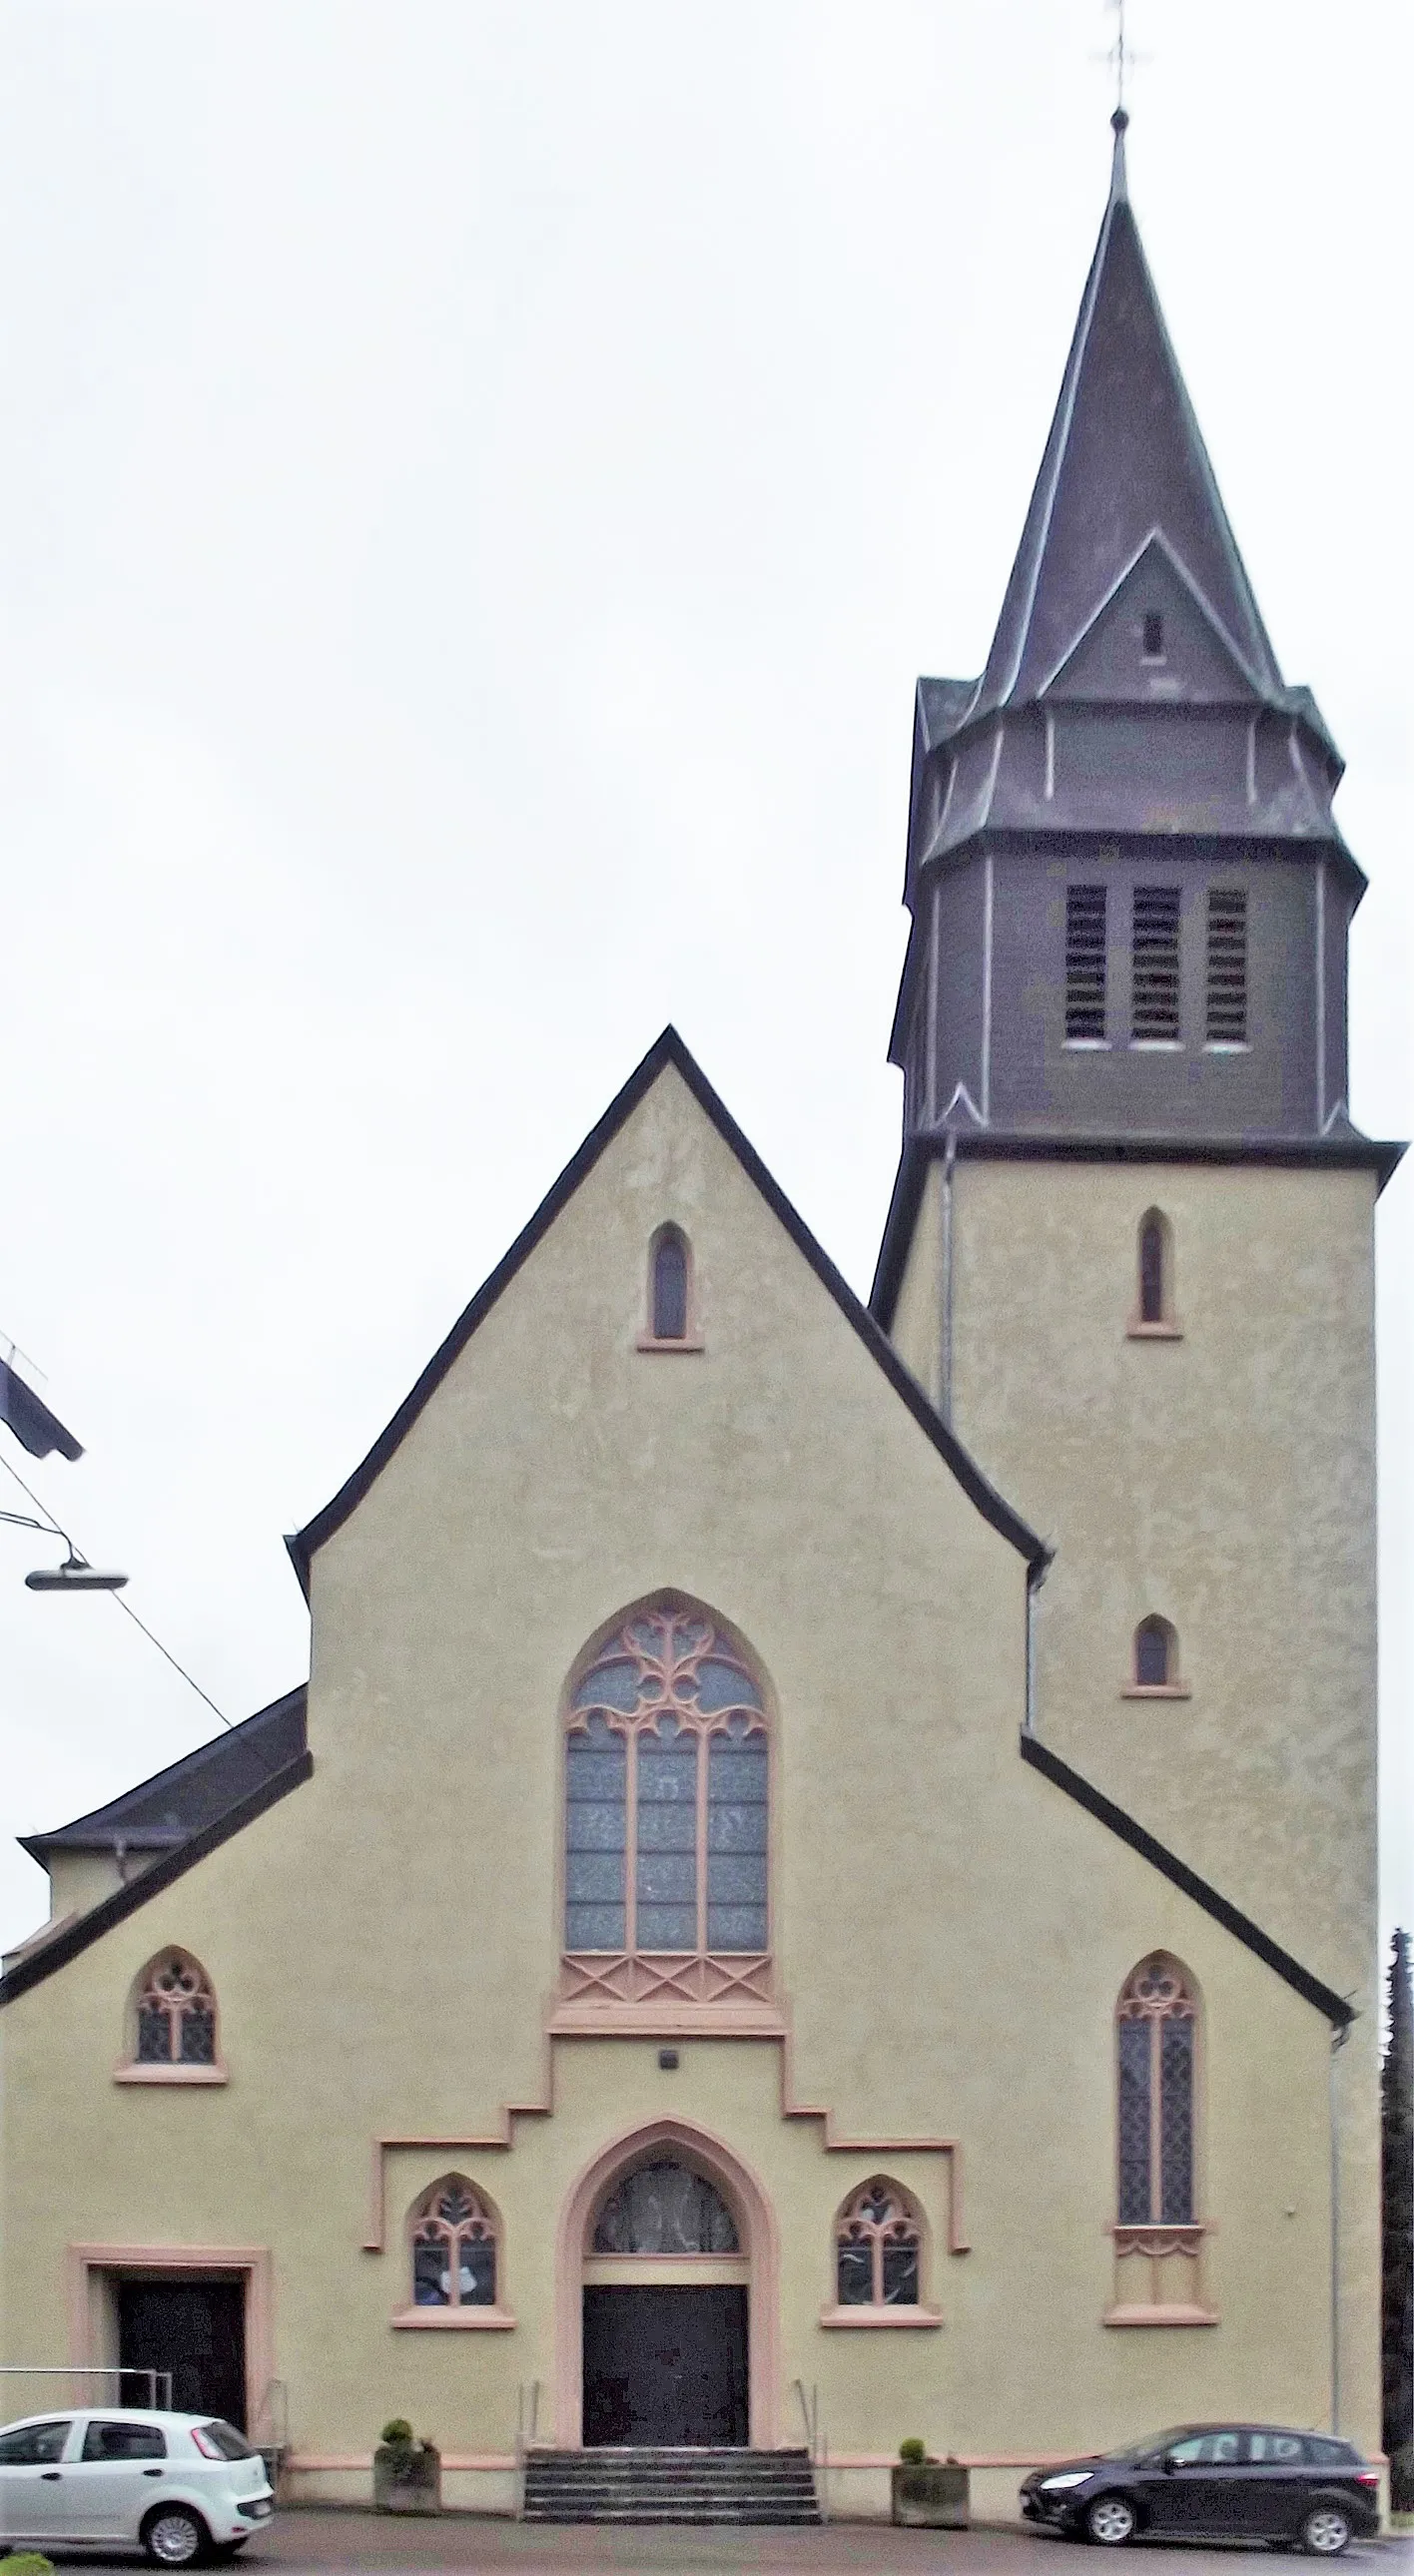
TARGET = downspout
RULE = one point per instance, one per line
(1338, 2040)
(945, 1356)
(1036, 1574)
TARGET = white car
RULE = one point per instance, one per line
(183, 2487)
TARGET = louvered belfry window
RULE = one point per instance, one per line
(1085, 961)
(1227, 966)
(1155, 1012)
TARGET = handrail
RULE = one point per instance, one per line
(525, 2437)
(94, 2370)
(816, 2443)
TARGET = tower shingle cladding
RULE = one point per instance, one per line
(1131, 730)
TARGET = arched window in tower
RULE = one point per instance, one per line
(1156, 2034)
(1155, 1655)
(453, 2247)
(1153, 1310)
(666, 1816)
(878, 2249)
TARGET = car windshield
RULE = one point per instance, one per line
(1153, 2443)
(224, 2438)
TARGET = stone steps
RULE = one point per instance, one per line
(685, 2486)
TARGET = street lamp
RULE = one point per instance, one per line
(75, 1574)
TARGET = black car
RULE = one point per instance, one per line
(1213, 2482)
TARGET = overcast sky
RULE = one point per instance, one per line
(477, 484)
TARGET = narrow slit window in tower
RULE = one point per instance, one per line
(1153, 636)
(1085, 962)
(1155, 1011)
(1226, 1023)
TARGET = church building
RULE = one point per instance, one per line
(822, 1885)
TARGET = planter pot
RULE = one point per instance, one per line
(407, 2479)
(931, 2492)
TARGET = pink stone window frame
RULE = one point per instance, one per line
(147, 1994)
(854, 2224)
(699, 1975)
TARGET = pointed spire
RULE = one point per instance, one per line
(1125, 459)
(1119, 177)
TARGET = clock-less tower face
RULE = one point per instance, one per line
(1130, 897)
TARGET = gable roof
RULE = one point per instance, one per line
(1128, 1830)
(668, 1050)
(165, 1811)
(40, 1958)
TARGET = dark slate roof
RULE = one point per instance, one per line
(670, 1050)
(1125, 457)
(163, 1813)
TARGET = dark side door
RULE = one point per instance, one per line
(195, 2329)
(665, 2367)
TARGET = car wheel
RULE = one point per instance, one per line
(1111, 2520)
(173, 2537)
(1325, 2531)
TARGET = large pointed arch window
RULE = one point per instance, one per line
(667, 1784)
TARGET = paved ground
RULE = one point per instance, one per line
(317, 2542)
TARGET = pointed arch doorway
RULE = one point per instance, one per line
(667, 2277)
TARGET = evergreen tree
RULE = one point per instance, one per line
(1397, 2162)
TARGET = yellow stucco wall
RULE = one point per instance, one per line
(1226, 1481)
(951, 1930)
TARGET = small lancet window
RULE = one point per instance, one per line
(1155, 1655)
(878, 2249)
(176, 2014)
(669, 1286)
(1156, 2034)
(1153, 636)
(1155, 1269)
(453, 2248)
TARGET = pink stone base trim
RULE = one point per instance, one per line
(346, 2460)
(461, 2320)
(1142, 2313)
(171, 2074)
(881, 2317)
(82, 2261)
(503, 2136)
(963, 2459)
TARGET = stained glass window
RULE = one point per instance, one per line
(878, 2249)
(176, 2014)
(667, 1758)
(664, 2208)
(453, 2249)
(1157, 2028)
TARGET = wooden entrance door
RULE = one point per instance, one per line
(196, 2329)
(665, 2367)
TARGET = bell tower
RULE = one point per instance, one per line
(1130, 897)
(1130, 1247)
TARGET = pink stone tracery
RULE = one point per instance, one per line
(454, 2248)
(878, 2221)
(176, 2013)
(669, 1679)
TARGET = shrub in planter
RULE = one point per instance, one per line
(26, 2562)
(930, 2493)
(913, 2452)
(407, 2474)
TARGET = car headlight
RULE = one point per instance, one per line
(1069, 2478)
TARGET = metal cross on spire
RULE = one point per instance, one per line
(1121, 56)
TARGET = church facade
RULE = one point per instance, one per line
(823, 1881)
